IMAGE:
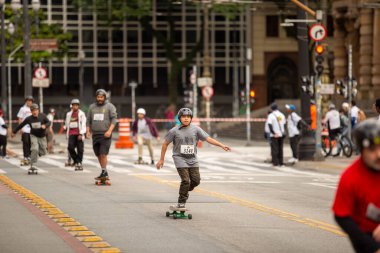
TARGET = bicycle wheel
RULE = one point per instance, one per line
(326, 145)
(346, 146)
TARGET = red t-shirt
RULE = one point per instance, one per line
(74, 122)
(358, 187)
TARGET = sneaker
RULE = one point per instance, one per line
(152, 162)
(295, 160)
(291, 160)
(102, 175)
(181, 205)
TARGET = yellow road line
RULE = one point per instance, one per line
(251, 204)
(88, 238)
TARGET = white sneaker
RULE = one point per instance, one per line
(291, 160)
(295, 160)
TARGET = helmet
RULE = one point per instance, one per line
(367, 133)
(52, 110)
(34, 106)
(185, 112)
(101, 92)
(29, 98)
(290, 107)
(75, 101)
(141, 111)
(331, 106)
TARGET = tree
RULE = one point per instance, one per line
(45, 31)
(141, 10)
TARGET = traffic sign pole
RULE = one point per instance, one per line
(193, 80)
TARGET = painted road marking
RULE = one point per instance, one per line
(251, 204)
(16, 163)
(60, 165)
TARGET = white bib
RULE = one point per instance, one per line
(36, 125)
(74, 124)
(187, 149)
(99, 116)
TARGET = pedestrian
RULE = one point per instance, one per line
(294, 124)
(267, 135)
(3, 136)
(23, 113)
(75, 123)
(143, 131)
(185, 138)
(38, 123)
(276, 123)
(357, 201)
(69, 161)
(101, 121)
(50, 132)
(169, 115)
(332, 120)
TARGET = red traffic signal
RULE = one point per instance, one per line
(252, 94)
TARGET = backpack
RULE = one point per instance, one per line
(361, 116)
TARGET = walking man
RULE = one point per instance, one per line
(143, 130)
(75, 123)
(23, 113)
(38, 123)
(101, 120)
(276, 123)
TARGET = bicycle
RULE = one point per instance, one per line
(342, 143)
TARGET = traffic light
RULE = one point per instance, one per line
(319, 58)
(243, 99)
(188, 97)
(252, 96)
(307, 86)
(354, 88)
(341, 88)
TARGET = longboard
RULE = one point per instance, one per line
(32, 170)
(178, 213)
(103, 181)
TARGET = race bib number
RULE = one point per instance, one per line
(36, 125)
(99, 116)
(187, 149)
(74, 124)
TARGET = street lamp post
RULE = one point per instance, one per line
(3, 60)
(81, 57)
(133, 86)
(27, 59)
(36, 7)
(16, 6)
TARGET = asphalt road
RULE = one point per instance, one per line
(242, 204)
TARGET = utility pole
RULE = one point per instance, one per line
(349, 87)
(195, 91)
(3, 61)
(27, 59)
(248, 76)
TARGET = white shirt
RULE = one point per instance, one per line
(143, 129)
(23, 114)
(277, 120)
(3, 131)
(266, 126)
(292, 121)
(51, 119)
(355, 112)
(333, 118)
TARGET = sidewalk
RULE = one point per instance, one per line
(27, 229)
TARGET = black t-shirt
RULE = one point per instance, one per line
(35, 124)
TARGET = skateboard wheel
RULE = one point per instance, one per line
(167, 214)
(108, 183)
(189, 216)
(175, 216)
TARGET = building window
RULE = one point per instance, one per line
(272, 26)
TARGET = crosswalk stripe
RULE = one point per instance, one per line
(60, 165)
(3, 171)
(16, 163)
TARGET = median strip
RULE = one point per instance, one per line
(86, 237)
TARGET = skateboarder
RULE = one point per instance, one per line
(143, 130)
(75, 132)
(101, 120)
(3, 136)
(38, 123)
(185, 138)
(23, 113)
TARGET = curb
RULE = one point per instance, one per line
(88, 238)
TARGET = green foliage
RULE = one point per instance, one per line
(45, 32)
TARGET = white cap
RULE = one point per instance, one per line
(141, 111)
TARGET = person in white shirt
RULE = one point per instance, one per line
(332, 119)
(267, 135)
(276, 123)
(25, 131)
(294, 122)
(3, 136)
(354, 114)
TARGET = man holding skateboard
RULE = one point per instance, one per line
(23, 113)
(185, 138)
(38, 123)
(101, 120)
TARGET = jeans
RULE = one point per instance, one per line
(74, 143)
(190, 178)
(277, 145)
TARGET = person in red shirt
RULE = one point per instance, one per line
(357, 201)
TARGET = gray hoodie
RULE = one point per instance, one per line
(100, 117)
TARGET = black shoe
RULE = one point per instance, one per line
(104, 174)
(152, 162)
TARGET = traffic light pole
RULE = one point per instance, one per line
(318, 100)
(248, 77)
(195, 93)
(349, 88)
